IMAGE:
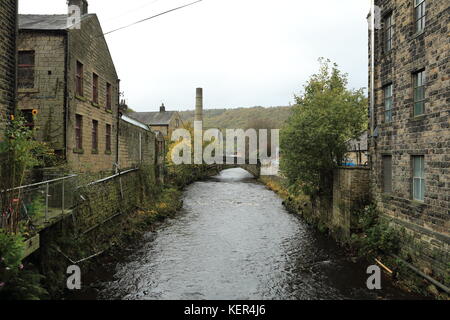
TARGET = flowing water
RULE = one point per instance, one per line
(234, 240)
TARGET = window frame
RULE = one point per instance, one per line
(108, 97)
(26, 66)
(388, 101)
(95, 83)
(95, 135)
(419, 75)
(108, 133)
(420, 22)
(387, 185)
(388, 32)
(418, 178)
(79, 79)
(29, 118)
(79, 132)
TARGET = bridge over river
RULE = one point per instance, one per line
(233, 239)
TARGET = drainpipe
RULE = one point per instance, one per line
(372, 71)
(16, 55)
(118, 121)
(66, 94)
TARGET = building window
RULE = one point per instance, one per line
(418, 178)
(79, 79)
(387, 174)
(419, 93)
(94, 135)
(29, 119)
(419, 15)
(388, 102)
(79, 132)
(95, 88)
(26, 70)
(389, 32)
(108, 138)
(108, 96)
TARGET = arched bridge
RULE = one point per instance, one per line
(240, 162)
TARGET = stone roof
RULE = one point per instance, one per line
(44, 21)
(359, 144)
(135, 122)
(153, 118)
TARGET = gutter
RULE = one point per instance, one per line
(66, 94)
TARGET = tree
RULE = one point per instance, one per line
(313, 141)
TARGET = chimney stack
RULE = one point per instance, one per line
(82, 4)
(162, 108)
(199, 105)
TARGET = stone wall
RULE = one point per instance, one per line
(8, 27)
(350, 191)
(89, 47)
(426, 222)
(47, 96)
(136, 146)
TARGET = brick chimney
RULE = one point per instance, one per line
(162, 108)
(82, 4)
(199, 105)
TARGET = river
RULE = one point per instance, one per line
(234, 239)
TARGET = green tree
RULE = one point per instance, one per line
(313, 141)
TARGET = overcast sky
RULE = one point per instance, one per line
(242, 52)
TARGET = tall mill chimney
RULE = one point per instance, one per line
(199, 105)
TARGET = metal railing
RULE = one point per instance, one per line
(45, 200)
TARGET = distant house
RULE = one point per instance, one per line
(67, 76)
(358, 151)
(162, 121)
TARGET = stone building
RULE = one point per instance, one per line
(66, 74)
(8, 31)
(137, 143)
(410, 148)
(162, 121)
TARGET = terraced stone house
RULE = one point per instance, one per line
(410, 148)
(162, 121)
(67, 76)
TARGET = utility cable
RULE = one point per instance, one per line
(157, 15)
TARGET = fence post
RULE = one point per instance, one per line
(46, 201)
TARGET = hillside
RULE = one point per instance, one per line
(241, 117)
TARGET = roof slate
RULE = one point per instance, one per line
(45, 21)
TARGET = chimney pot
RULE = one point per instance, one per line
(162, 108)
(82, 4)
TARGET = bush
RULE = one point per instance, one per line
(16, 281)
(376, 236)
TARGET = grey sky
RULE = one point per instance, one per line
(242, 52)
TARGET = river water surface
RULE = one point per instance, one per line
(234, 240)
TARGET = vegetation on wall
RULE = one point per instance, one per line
(19, 153)
(313, 142)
